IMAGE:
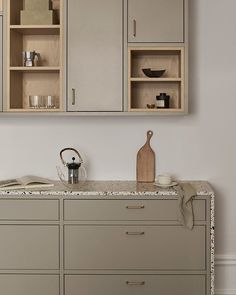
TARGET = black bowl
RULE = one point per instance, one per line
(153, 74)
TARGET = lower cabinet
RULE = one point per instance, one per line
(134, 247)
(70, 246)
(135, 284)
(23, 284)
(29, 247)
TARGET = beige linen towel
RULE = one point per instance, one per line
(185, 192)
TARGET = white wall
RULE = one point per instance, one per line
(199, 146)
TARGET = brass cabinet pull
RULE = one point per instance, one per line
(135, 207)
(134, 28)
(135, 233)
(73, 96)
(130, 283)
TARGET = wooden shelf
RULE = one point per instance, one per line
(36, 29)
(143, 90)
(155, 79)
(40, 110)
(157, 110)
(35, 69)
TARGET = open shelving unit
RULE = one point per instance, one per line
(47, 77)
(143, 90)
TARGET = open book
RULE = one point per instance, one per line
(28, 181)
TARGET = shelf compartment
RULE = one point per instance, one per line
(143, 93)
(47, 45)
(15, 8)
(23, 84)
(170, 59)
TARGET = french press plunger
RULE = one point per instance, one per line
(73, 167)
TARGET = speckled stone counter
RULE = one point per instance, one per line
(102, 189)
(119, 189)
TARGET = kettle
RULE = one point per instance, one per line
(75, 170)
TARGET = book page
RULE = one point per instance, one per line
(9, 182)
(31, 179)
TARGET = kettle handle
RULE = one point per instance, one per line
(69, 149)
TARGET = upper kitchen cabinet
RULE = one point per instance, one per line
(156, 21)
(95, 55)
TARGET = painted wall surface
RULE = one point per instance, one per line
(201, 145)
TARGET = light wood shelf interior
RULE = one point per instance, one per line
(23, 84)
(46, 77)
(143, 90)
(17, 5)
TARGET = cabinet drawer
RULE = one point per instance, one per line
(29, 247)
(134, 247)
(128, 210)
(135, 284)
(29, 284)
(29, 209)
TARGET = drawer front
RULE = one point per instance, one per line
(29, 209)
(128, 210)
(29, 247)
(29, 284)
(134, 247)
(135, 285)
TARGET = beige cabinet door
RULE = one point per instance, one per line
(135, 284)
(95, 35)
(156, 20)
(22, 284)
(29, 247)
(134, 247)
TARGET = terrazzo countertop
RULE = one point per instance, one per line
(110, 189)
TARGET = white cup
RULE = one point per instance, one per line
(164, 179)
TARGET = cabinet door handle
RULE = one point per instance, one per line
(134, 28)
(73, 96)
(130, 283)
(135, 233)
(135, 207)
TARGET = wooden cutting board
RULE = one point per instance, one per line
(146, 162)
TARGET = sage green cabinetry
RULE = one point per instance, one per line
(135, 284)
(71, 245)
(95, 46)
(156, 21)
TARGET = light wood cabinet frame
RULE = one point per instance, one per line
(46, 79)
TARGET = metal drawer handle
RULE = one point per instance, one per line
(134, 28)
(73, 96)
(135, 283)
(135, 233)
(135, 207)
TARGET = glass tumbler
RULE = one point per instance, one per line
(36, 101)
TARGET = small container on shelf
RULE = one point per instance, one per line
(163, 101)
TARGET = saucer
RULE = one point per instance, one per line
(173, 183)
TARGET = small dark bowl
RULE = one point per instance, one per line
(153, 74)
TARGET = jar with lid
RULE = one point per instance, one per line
(163, 101)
